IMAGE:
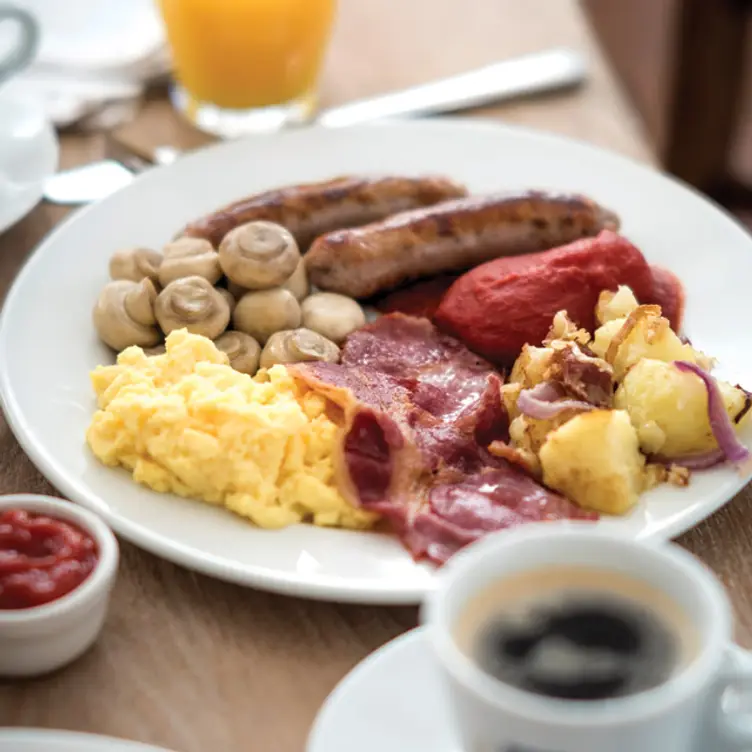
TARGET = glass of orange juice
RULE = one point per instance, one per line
(246, 65)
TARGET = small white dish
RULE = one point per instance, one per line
(44, 638)
(393, 700)
(48, 740)
(28, 156)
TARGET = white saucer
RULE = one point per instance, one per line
(28, 156)
(392, 701)
(47, 740)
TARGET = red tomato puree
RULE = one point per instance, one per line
(425, 297)
(41, 558)
(499, 306)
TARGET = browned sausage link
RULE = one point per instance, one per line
(312, 209)
(450, 237)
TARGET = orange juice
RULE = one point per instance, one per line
(244, 54)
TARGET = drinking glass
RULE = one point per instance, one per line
(246, 65)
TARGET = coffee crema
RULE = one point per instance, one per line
(576, 633)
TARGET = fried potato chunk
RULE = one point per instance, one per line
(529, 434)
(615, 305)
(644, 333)
(594, 460)
(669, 408)
(531, 366)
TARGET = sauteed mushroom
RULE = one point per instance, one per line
(332, 315)
(135, 264)
(124, 314)
(229, 297)
(194, 304)
(242, 350)
(262, 313)
(259, 255)
(297, 283)
(298, 346)
(189, 257)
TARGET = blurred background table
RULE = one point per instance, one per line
(193, 664)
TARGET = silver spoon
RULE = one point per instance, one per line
(551, 70)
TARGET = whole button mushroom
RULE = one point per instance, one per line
(242, 350)
(189, 257)
(124, 314)
(259, 255)
(298, 346)
(332, 315)
(262, 313)
(194, 304)
(297, 284)
(229, 297)
(135, 264)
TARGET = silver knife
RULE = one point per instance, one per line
(537, 73)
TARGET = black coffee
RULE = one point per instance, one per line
(588, 648)
(576, 634)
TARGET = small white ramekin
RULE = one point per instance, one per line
(43, 638)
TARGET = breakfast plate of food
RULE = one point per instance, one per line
(322, 362)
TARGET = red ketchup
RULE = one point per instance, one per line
(41, 558)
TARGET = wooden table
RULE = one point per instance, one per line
(193, 664)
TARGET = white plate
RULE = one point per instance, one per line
(45, 740)
(48, 345)
(28, 156)
(392, 700)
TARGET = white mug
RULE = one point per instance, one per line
(24, 48)
(28, 144)
(687, 713)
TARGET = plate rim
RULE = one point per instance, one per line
(48, 735)
(258, 577)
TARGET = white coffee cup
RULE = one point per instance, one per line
(687, 713)
(17, 55)
(28, 143)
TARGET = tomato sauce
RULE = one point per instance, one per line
(668, 293)
(420, 299)
(41, 558)
(423, 298)
(499, 306)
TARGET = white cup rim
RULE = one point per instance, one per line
(101, 575)
(641, 706)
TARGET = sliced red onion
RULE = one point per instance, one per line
(702, 461)
(547, 391)
(544, 401)
(720, 423)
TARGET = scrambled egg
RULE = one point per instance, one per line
(186, 423)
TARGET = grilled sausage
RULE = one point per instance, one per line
(316, 208)
(449, 237)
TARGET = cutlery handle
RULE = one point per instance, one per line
(522, 76)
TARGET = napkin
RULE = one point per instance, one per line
(96, 57)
